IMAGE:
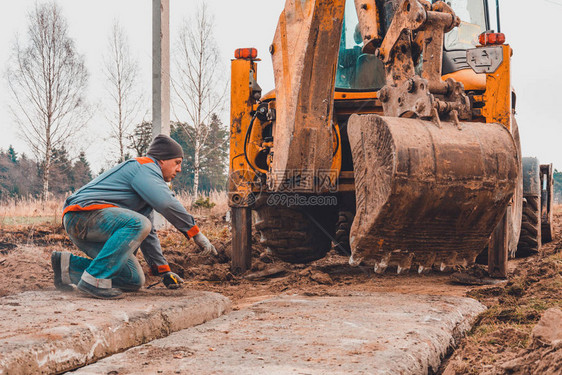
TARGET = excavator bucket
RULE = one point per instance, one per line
(427, 194)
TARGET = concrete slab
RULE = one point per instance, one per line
(51, 332)
(355, 334)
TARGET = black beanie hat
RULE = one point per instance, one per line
(164, 148)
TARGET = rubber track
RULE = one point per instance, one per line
(296, 235)
(530, 239)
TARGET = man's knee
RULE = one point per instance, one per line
(141, 279)
(142, 224)
(146, 226)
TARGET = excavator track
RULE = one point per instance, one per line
(298, 234)
(428, 195)
(530, 239)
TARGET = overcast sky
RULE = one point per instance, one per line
(531, 28)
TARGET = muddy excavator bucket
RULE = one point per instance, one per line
(427, 194)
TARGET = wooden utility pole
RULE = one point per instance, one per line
(160, 67)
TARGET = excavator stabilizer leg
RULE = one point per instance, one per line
(427, 194)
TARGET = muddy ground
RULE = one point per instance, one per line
(501, 336)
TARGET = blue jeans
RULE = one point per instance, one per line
(110, 237)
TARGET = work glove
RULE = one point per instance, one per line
(171, 280)
(205, 245)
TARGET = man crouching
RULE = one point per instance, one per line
(112, 216)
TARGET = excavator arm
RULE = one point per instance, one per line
(304, 54)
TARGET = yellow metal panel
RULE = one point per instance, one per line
(241, 104)
(337, 158)
(497, 97)
(350, 95)
(338, 95)
(469, 78)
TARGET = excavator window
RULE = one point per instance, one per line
(474, 15)
(356, 71)
(474, 21)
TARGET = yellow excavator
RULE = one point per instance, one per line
(390, 136)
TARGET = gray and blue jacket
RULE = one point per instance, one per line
(137, 185)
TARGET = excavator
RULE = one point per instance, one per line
(390, 136)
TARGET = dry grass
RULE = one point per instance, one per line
(218, 198)
(30, 210)
(514, 308)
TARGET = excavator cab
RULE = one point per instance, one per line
(476, 18)
(356, 71)
(359, 71)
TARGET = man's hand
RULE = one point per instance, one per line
(206, 246)
(172, 280)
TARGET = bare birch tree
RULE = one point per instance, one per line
(198, 84)
(121, 72)
(47, 79)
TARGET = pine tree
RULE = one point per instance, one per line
(184, 180)
(557, 186)
(18, 178)
(61, 168)
(13, 154)
(5, 178)
(213, 172)
(81, 172)
(215, 168)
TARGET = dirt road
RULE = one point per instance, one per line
(502, 334)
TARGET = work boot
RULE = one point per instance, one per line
(103, 293)
(57, 270)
